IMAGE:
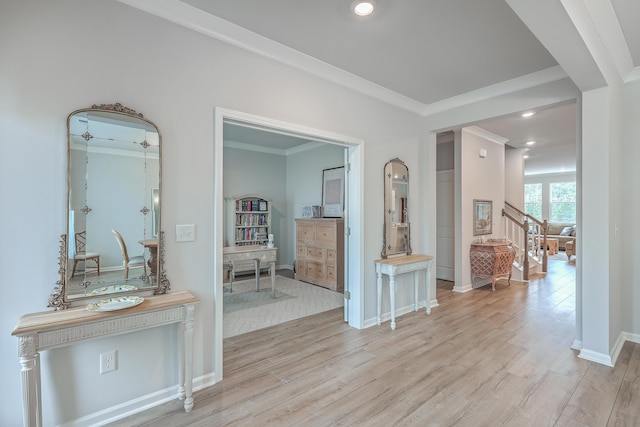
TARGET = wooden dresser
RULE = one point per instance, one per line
(320, 252)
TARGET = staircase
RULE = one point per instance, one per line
(529, 237)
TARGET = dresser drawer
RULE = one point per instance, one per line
(301, 251)
(315, 270)
(306, 232)
(325, 234)
(331, 274)
(331, 257)
(301, 268)
(315, 253)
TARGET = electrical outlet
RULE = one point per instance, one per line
(108, 361)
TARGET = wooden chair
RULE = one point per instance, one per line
(133, 262)
(570, 248)
(82, 255)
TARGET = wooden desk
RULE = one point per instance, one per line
(152, 245)
(256, 253)
(400, 265)
(53, 329)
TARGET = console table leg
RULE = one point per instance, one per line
(392, 300)
(29, 373)
(181, 360)
(188, 355)
(416, 279)
(427, 302)
(379, 285)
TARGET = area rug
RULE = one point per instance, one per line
(246, 310)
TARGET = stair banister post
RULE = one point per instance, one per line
(525, 265)
(545, 256)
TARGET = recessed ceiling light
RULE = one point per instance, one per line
(525, 156)
(528, 114)
(363, 8)
(530, 142)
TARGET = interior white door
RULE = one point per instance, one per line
(445, 226)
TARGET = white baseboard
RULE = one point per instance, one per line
(386, 317)
(463, 288)
(134, 406)
(594, 356)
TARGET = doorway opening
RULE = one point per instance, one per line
(350, 152)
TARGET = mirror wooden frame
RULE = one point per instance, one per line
(391, 228)
(59, 299)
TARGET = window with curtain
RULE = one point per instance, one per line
(562, 202)
(533, 200)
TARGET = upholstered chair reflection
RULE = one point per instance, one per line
(129, 262)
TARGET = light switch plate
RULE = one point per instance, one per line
(185, 233)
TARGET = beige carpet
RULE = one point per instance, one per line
(246, 310)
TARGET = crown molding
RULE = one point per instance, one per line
(195, 19)
(527, 81)
(269, 150)
(483, 133)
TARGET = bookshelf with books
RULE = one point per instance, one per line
(251, 219)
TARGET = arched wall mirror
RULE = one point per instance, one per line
(113, 244)
(396, 235)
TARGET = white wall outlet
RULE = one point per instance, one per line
(185, 233)
(108, 361)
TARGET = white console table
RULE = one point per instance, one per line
(400, 265)
(53, 329)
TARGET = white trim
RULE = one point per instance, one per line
(137, 405)
(195, 19)
(356, 218)
(594, 356)
(633, 75)
(508, 86)
(483, 133)
(278, 151)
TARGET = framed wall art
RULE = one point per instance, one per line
(482, 217)
(333, 192)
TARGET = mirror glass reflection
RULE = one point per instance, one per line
(113, 204)
(396, 222)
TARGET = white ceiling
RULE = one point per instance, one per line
(429, 55)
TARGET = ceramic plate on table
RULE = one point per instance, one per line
(111, 290)
(117, 303)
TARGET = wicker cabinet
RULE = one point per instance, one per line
(491, 260)
(320, 252)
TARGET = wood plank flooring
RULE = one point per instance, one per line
(480, 359)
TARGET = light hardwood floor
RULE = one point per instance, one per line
(479, 359)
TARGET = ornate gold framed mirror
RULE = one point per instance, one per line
(114, 243)
(396, 239)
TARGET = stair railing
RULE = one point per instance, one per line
(529, 236)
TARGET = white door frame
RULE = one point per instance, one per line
(353, 223)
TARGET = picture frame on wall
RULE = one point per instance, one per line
(482, 217)
(333, 192)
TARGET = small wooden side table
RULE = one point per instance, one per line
(553, 246)
(491, 260)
